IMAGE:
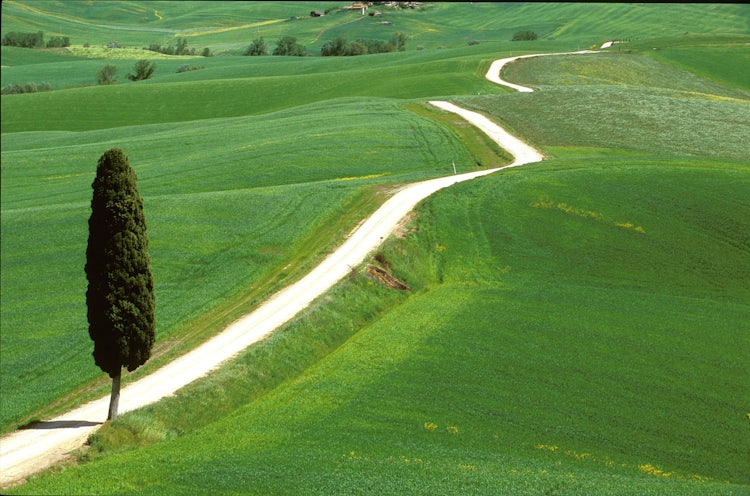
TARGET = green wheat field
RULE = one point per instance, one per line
(578, 326)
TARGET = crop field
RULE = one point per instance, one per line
(578, 326)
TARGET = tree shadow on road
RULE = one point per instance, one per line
(60, 424)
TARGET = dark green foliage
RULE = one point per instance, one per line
(31, 87)
(24, 40)
(180, 49)
(524, 36)
(334, 48)
(58, 42)
(143, 70)
(341, 47)
(106, 75)
(120, 295)
(257, 47)
(188, 67)
(288, 46)
(398, 40)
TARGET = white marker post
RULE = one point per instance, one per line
(454, 166)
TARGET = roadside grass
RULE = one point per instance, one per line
(726, 64)
(623, 117)
(541, 349)
(620, 70)
(232, 213)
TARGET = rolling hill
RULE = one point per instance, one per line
(575, 327)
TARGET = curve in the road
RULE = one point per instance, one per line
(28, 451)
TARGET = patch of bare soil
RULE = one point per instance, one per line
(384, 277)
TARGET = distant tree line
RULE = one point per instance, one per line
(288, 45)
(342, 47)
(180, 49)
(524, 36)
(34, 40)
(14, 89)
(24, 40)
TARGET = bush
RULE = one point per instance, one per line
(473, 42)
(24, 40)
(357, 48)
(188, 67)
(14, 89)
(341, 47)
(180, 49)
(378, 46)
(58, 42)
(334, 48)
(143, 70)
(524, 36)
(288, 46)
(398, 40)
(106, 75)
(257, 47)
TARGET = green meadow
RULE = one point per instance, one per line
(578, 326)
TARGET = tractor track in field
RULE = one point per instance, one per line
(41, 445)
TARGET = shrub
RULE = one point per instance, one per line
(473, 42)
(143, 70)
(188, 67)
(106, 75)
(24, 40)
(357, 48)
(333, 48)
(257, 47)
(378, 46)
(340, 47)
(524, 36)
(398, 40)
(13, 89)
(58, 42)
(288, 45)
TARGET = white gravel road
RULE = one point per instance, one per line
(28, 451)
(493, 73)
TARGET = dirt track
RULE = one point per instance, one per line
(26, 452)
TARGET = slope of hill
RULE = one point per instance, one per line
(578, 335)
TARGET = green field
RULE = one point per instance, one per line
(574, 327)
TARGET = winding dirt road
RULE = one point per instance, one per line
(28, 451)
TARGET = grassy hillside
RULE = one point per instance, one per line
(573, 326)
(230, 25)
(221, 218)
(570, 337)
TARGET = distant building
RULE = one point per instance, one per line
(362, 7)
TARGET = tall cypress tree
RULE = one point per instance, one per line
(120, 295)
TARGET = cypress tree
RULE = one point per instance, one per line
(120, 295)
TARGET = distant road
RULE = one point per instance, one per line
(28, 451)
(493, 74)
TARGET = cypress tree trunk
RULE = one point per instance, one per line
(114, 398)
